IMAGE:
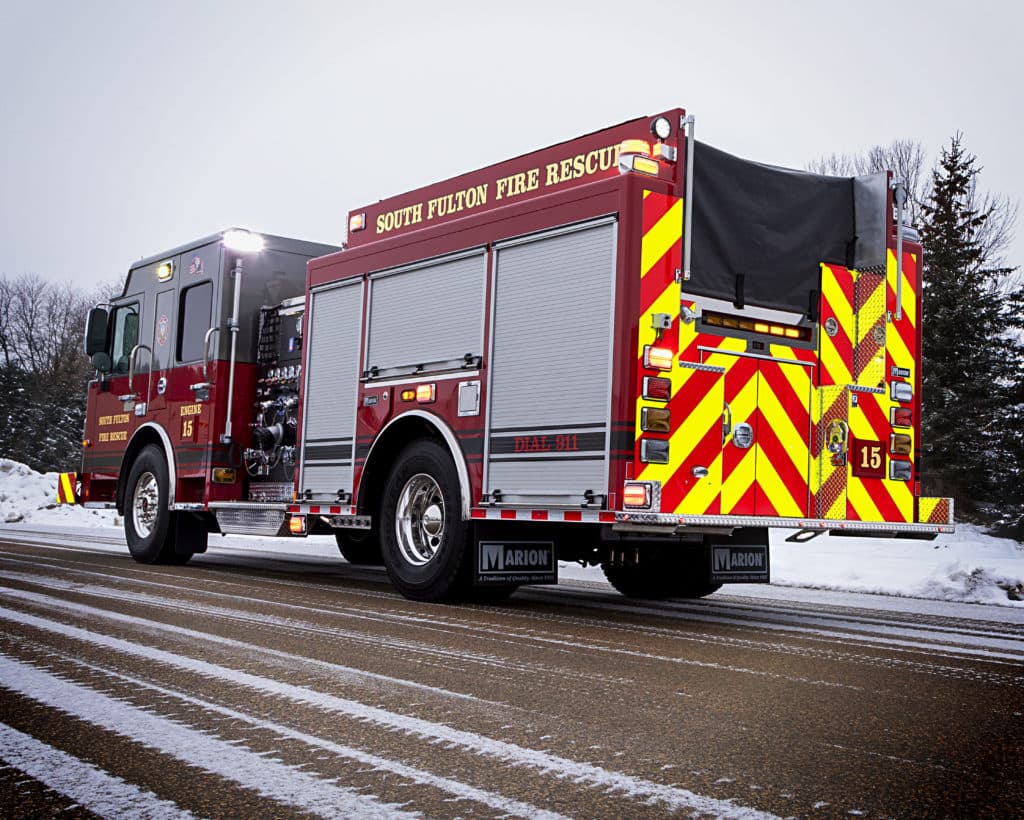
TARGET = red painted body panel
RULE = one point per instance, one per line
(197, 448)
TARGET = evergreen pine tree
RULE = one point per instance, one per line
(973, 357)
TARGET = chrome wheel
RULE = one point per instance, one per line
(145, 504)
(420, 520)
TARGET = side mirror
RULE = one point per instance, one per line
(101, 361)
(96, 332)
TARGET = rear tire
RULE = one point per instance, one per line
(663, 574)
(424, 541)
(149, 524)
(359, 546)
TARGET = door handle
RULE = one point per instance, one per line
(131, 395)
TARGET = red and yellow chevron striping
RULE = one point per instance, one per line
(829, 443)
(935, 510)
(836, 339)
(869, 303)
(66, 488)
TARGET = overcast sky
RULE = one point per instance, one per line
(129, 127)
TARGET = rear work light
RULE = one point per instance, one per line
(655, 420)
(657, 358)
(727, 321)
(636, 495)
(657, 388)
(899, 444)
(297, 524)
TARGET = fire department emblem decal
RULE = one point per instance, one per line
(162, 328)
(196, 268)
(831, 326)
(878, 334)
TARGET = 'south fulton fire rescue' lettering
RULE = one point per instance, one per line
(518, 562)
(504, 188)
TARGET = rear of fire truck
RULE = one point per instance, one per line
(628, 349)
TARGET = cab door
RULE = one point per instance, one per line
(162, 346)
(110, 414)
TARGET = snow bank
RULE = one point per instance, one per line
(26, 495)
(969, 566)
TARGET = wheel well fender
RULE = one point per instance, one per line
(396, 434)
(148, 433)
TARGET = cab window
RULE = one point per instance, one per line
(194, 321)
(126, 335)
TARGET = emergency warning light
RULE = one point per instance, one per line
(245, 241)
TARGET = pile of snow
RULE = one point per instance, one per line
(969, 566)
(26, 495)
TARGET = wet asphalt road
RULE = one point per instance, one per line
(248, 685)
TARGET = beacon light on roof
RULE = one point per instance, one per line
(244, 241)
(635, 155)
(164, 271)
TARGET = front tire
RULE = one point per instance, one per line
(423, 538)
(148, 521)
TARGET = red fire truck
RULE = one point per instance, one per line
(629, 349)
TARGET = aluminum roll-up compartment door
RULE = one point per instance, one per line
(332, 383)
(427, 316)
(550, 371)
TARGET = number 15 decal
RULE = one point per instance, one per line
(868, 459)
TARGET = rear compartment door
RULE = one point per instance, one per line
(550, 366)
(766, 458)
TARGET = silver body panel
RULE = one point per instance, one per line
(550, 375)
(329, 414)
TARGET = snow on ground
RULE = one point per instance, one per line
(969, 566)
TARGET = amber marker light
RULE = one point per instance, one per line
(297, 524)
(408, 395)
(899, 444)
(224, 475)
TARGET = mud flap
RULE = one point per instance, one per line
(505, 561)
(743, 558)
(190, 534)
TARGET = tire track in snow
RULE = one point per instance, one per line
(671, 797)
(268, 778)
(99, 792)
(458, 789)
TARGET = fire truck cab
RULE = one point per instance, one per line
(629, 349)
(164, 432)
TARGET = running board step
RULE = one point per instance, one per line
(252, 521)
